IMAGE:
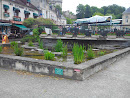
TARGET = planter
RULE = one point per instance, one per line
(111, 36)
(95, 36)
(43, 35)
(80, 36)
(54, 35)
(69, 36)
(127, 37)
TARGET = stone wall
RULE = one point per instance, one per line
(60, 69)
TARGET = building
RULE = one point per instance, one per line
(13, 13)
(48, 10)
(70, 15)
(126, 18)
(56, 2)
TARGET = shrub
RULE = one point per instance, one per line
(101, 53)
(78, 53)
(64, 50)
(0, 49)
(18, 51)
(41, 45)
(30, 43)
(28, 38)
(59, 45)
(90, 53)
(48, 55)
(13, 44)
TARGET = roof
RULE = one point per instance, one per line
(127, 11)
(24, 3)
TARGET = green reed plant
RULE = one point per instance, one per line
(59, 45)
(101, 53)
(30, 43)
(13, 43)
(90, 52)
(64, 50)
(49, 55)
(18, 51)
(0, 49)
(78, 53)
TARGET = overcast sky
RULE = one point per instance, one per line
(72, 4)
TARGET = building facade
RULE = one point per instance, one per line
(14, 12)
(126, 18)
(48, 10)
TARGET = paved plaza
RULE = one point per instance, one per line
(112, 82)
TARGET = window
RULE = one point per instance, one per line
(126, 20)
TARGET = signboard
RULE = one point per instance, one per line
(58, 71)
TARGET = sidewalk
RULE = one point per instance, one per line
(113, 82)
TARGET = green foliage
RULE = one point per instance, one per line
(90, 53)
(70, 21)
(28, 38)
(78, 53)
(13, 43)
(101, 53)
(85, 11)
(98, 13)
(0, 49)
(18, 51)
(128, 34)
(40, 44)
(65, 51)
(80, 11)
(29, 22)
(59, 45)
(48, 55)
(30, 44)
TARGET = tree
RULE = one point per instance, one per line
(58, 10)
(70, 21)
(113, 16)
(80, 11)
(94, 9)
(29, 22)
(98, 13)
(88, 12)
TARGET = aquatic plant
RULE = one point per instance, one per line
(78, 53)
(13, 43)
(64, 50)
(49, 55)
(90, 53)
(30, 43)
(18, 51)
(59, 45)
(101, 53)
(0, 49)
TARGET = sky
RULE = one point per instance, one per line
(71, 5)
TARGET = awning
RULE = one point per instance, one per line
(26, 12)
(16, 9)
(34, 14)
(5, 24)
(22, 27)
(6, 6)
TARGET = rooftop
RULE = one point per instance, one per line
(127, 11)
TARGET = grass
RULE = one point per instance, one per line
(59, 45)
(48, 55)
(90, 53)
(0, 49)
(65, 51)
(78, 53)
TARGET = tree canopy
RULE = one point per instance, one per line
(86, 11)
